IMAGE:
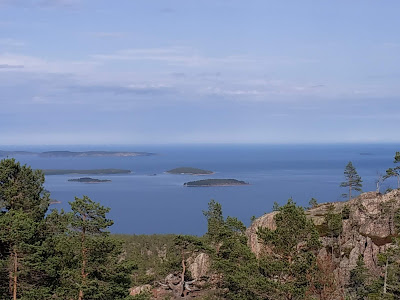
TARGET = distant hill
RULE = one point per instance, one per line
(89, 180)
(215, 182)
(85, 172)
(190, 171)
(11, 153)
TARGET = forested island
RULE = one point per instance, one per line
(215, 182)
(190, 171)
(89, 180)
(85, 172)
(75, 153)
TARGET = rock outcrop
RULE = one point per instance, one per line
(146, 288)
(199, 266)
(368, 230)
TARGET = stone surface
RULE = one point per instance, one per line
(200, 266)
(140, 289)
(368, 231)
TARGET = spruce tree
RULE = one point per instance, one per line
(352, 180)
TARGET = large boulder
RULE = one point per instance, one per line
(199, 266)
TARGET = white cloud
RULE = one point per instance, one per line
(173, 55)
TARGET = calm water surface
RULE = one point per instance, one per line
(145, 204)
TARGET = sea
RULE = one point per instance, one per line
(150, 201)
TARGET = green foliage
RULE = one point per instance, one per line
(23, 204)
(394, 172)
(346, 212)
(232, 257)
(352, 180)
(56, 254)
(215, 221)
(333, 222)
(357, 286)
(21, 188)
(140, 296)
(313, 203)
(90, 256)
(294, 243)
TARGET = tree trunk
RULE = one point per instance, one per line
(386, 274)
(349, 192)
(15, 278)
(182, 283)
(84, 260)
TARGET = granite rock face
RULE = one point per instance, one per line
(368, 230)
(199, 266)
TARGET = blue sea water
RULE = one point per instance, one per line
(144, 204)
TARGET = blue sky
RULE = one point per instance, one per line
(220, 71)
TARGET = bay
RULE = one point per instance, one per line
(144, 203)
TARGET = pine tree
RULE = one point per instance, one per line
(215, 222)
(90, 256)
(17, 232)
(334, 226)
(313, 203)
(232, 257)
(394, 172)
(358, 280)
(23, 204)
(21, 188)
(294, 244)
(352, 180)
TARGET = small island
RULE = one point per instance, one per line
(89, 180)
(215, 182)
(85, 172)
(190, 171)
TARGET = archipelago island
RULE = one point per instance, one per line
(85, 172)
(190, 171)
(89, 180)
(215, 182)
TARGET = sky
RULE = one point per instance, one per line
(209, 71)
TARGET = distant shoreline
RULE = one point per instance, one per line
(76, 153)
(189, 171)
(85, 172)
(215, 182)
(89, 180)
